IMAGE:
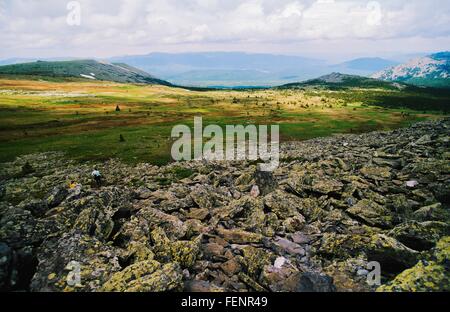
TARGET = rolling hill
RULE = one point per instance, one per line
(335, 81)
(85, 69)
(431, 71)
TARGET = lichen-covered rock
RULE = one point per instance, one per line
(422, 277)
(289, 279)
(420, 235)
(18, 228)
(57, 195)
(294, 224)
(146, 276)
(61, 260)
(304, 183)
(433, 212)
(314, 224)
(172, 225)
(254, 260)
(427, 275)
(376, 247)
(239, 236)
(183, 252)
(284, 205)
(198, 214)
(371, 213)
(6, 259)
(376, 173)
(265, 182)
(202, 198)
(311, 209)
(349, 275)
(202, 286)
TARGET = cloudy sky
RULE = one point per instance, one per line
(327, 29)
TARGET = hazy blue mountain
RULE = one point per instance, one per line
(16, 60)
(432, 70)
(364, 66)
(12, 61)
(237, 69)
(227, 68)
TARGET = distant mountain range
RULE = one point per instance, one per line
(236, 69)
(226, 68)
(363, 66)
(432, 70)
(87, 69)
(208, 69)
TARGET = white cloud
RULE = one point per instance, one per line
(130, 26)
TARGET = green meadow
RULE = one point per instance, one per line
(102, 120)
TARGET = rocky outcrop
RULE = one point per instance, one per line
(333, 206)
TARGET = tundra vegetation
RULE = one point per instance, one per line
(86, 119)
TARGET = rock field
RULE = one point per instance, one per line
(333, 206)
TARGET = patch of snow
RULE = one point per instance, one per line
(88, 76)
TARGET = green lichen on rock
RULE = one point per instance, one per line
(183, 252)
(442, 251)
(371, 213)
(420, 235)
(254, 260)
(421, 277)
(145, 276)
(433, 212)
(427, 275)
(251, 282)
(282, 204)
(238, 236)
(376, 247)
(376, 173)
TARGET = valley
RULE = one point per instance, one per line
(86, 118)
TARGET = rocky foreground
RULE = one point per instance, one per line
(334, 205)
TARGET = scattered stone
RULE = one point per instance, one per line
(255, 191)
(311, 225)
(231, 267)
(239, 236)
(371, 213)
(202, 286)
(198, 214)
(148, 276)
(285, 246)
(412, 183)
(426, 275)
(280, 262)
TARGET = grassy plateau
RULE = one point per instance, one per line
(79, 117)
